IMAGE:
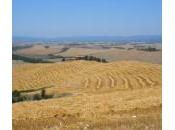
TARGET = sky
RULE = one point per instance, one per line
(67, 18)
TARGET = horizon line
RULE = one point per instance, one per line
(87, 36)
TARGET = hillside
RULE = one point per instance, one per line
(116, 95)
(110, 52)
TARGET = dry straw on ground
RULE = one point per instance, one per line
(118, 95)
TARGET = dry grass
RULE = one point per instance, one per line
(39, 50)
(118, 55)
(111, 54)
(80, 51)
(115, 54)
(119, 95)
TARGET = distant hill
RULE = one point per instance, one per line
(138, 38)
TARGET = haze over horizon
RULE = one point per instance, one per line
(76, 18)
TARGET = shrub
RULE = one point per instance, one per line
(46, 46)
(104, 61)
(15, 93)
(43, 93)
(63, 59)
(37, 97)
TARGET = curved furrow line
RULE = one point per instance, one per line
(115, 78)
(86, 84)
(150, 81)
(128, 83)
(98, 82)
(154, 83)
(146, 81)
(125, 81)
(105, 83)
(112, 80)
(128, 77)
(136, 82)
(148, 75)
(90, 74)
(133, 81)
(140, 82)
(121, 80)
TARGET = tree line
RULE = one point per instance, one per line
(29, 59)
(89, 58)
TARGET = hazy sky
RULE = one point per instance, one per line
(57, 18)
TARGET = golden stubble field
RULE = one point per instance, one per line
(123, 95)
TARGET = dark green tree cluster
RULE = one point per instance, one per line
(29, 59)
(18, 96)
(93, 58)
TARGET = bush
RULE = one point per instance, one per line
(19, 96)
(46, 46)
(43, 93)
(63, 59)
(104, 61)
(37, 97)
(15, 93)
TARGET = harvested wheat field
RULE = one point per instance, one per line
(36, 50)
(124, 95)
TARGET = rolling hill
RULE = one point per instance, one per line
(116, 95)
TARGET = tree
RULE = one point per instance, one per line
(43, 93)
(63, 59)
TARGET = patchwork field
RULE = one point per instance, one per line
(35, 50)
(123, 95)
(109, 52)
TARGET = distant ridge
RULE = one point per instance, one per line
(137, 38)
